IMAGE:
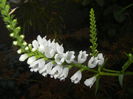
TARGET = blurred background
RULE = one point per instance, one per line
(68, 22)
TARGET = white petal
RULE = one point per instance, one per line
(35, 44)
(59, 48)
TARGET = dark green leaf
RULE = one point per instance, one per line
(97, 84)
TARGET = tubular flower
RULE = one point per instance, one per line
(49, 52)
(69, 56)
(59, 58)
(46, 69)
(59, 48)
(56, 71)
(89, 82)
(36, 65)
(76, 77)
(92, 62)
(100, 59)
(82, 57)
(64, 73)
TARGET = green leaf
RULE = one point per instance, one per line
(120, 78)
(97, 84)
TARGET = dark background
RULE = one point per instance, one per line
(68, 22)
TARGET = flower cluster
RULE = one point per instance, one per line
(59, 62)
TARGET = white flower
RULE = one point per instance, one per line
(59, 58)
(56, 71)
(76, 77)
(46, 69)
(59, 48)
(64, 73)
(49, 52)
(82, 57)
(69, 56)
(23, 57)
(92, 62)
(35, 45)
(31, 60)
(89, 82)
(36, 65)
(100, 59)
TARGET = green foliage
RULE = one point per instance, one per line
(93, 34)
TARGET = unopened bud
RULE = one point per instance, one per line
(26, 48)
(19, 51)
(15, 42)
(22, 36)
(24, 43)
(11, 35)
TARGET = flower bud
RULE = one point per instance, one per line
(15, 42)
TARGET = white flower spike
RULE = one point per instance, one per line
(76, 77)
(89, 82)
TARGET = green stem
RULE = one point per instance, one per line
(109, 70)
(109, 74)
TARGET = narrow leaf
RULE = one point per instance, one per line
(97, 85)
(120, 78)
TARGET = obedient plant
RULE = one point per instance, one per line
(48, 57)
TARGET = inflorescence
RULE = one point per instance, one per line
(57, 62)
